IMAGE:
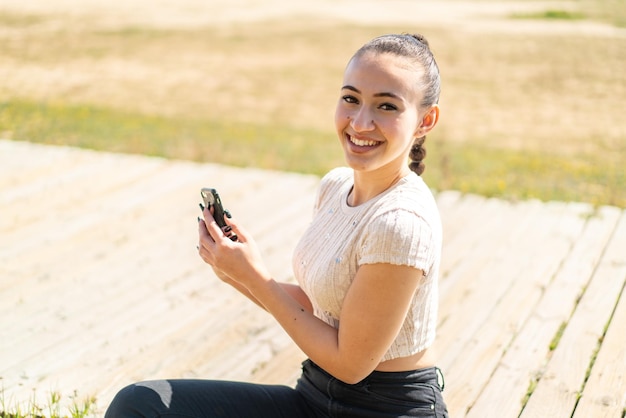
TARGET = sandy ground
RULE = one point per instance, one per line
(464, 15)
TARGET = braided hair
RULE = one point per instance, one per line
(416, 49)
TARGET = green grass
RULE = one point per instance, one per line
(237, 144)
(551, 15)
(532, 385)
(557, 337)
(471, 168)
(612, 12)
(55, 407)
(506, 173)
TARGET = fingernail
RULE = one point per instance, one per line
(199, 219)
(228, 228)
(201, 206)
(227, 213)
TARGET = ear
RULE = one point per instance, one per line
(429, 120)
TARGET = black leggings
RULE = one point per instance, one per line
(317, 394)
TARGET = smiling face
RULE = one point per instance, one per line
(378, 114)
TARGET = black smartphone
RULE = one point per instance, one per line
(212, 198)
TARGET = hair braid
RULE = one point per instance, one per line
(417, 155)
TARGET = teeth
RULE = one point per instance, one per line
(362, 143)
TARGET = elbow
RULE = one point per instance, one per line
(351, 380)
(352, 366)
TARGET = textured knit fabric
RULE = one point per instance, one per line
(400, 226)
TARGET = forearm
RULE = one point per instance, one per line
(292, 290)
(244, 291)
(318, 340)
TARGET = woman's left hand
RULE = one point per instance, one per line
(239, 260)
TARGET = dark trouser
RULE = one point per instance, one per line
(382, 394)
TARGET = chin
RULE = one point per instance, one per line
(358, 164)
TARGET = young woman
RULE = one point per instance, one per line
(364, 310)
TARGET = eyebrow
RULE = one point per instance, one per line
(383, 94)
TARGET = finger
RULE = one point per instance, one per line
(229, 230)
(205, 243)
(204, 238)
(236, 229)
(210, 223)
(210, 207)
(207, 213)
(212, 227)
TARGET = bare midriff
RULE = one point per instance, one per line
(421, 360)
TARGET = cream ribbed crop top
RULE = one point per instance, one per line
(399, 226)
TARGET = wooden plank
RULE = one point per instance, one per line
(153, 307)
(507, 290)
(78, 203)
(99, 275)
(505, 223)
(79, 176)
(526, 356)
(22, 166)
(604, 394)
(464, 229)
(283, 367)
(463, 214)
(36, 278)
(106, 288)
(558, 389)
(516, 225)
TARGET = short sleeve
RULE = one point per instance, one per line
(329, 186)
(398, 237)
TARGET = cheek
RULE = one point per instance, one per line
(407, 128)
(341, 117)
(402, 133)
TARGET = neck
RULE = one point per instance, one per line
(368, 185)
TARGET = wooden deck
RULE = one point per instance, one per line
(100, 285)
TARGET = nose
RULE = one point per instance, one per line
(361, 120)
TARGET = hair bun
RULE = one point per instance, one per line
(420, 38)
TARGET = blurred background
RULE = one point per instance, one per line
(532, 103)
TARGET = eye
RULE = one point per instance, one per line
(388, 106)
(350, 99)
